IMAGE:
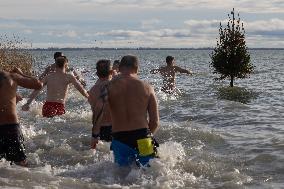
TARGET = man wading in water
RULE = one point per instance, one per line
(57, 89)
(11, 138)
(103, 130)
(169, 74)
(130, 101)
(50, 69)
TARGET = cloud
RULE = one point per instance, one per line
(28, 31)
(154, 23)
(204, 26)
(260, 27)
(113, 8)
(10, 25)
(69, 33)
(272, 25)
(255, 6)
(120, 33)
(145, 34)
(149, 24)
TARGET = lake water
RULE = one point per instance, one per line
(208, 138)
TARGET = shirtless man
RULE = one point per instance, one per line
(104, 73)
(57, 88)
(130, 101)
(50, 69)
(169, 74)
(11, 138)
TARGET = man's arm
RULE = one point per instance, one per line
(79, 78)
(78, 86)
(98, 112)
(33, 95)
(181, 70)
(153, 112)
(25, 81)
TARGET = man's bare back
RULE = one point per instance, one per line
(94, 100)
(49, 70)
(134, 113)
(57, 88)
(130, 99)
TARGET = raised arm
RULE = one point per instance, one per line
(78, 86)
(181, 70)
(153, 112)
(79, 78)
(25, 81)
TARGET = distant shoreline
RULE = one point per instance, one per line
(97, 48)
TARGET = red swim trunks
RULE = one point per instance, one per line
(51, 109)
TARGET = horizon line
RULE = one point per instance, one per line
(144, 48)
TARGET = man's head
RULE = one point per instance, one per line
(170, 60)
(61, 62)
(130, 63)
(103, 68)
(57, 54)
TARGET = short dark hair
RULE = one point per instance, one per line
(169, 59)
(103, 68)
(57, 54)
(60, 62)
(129, 61)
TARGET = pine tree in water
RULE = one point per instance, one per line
(231, 58)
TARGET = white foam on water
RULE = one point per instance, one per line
(59, 155)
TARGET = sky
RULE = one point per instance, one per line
(139, 23)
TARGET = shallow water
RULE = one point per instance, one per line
(206, 140)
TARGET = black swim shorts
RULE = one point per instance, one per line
(12, 143)
(105, 133)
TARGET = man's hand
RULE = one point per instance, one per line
(190, 72)
(94, 142)
(26, 107)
